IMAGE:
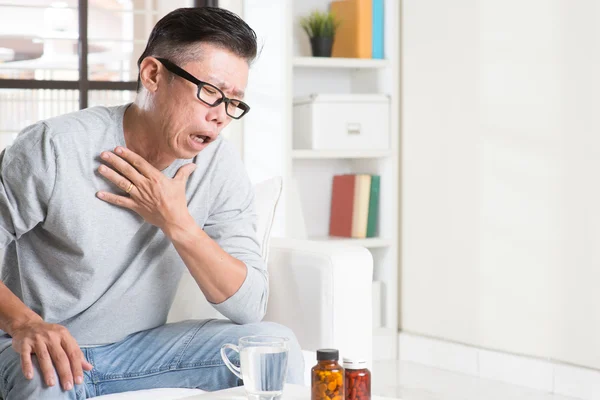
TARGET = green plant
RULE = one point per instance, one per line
(320, 24)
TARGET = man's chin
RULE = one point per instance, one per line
(188, 153)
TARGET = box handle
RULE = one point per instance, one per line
(353, 128)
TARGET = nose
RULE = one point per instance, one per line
(217, 114)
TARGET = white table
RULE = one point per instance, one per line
(290, 392)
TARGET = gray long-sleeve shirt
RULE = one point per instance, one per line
(100, 270)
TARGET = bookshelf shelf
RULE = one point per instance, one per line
(331, 154)
(370, 243)
(337, 62)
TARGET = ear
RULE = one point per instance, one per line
(149, 73)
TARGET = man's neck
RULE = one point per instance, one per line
(142, 137)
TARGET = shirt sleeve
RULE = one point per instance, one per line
(232, 222)
(27, 177)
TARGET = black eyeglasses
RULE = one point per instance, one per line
(209, 94)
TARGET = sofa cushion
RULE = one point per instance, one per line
(267, 194)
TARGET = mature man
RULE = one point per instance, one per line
(102, 209)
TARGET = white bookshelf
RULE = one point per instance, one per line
(311, 171)
(284, 71)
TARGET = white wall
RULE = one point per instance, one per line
(500, 171)
(234, 132)
(268, 93)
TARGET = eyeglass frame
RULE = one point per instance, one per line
(182, 73)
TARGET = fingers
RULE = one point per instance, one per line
(86, 365)
(45, 362)
(76, 360)
(184, 172)
(120, 201)
(121, 182)
(26, 364)
(62, 365)
(138, 162)
(125, 168)
(57, 354)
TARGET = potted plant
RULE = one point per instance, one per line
(320, 28)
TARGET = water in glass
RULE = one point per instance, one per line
(263, 371)
(263, 365)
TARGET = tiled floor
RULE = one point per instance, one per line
(410, 381)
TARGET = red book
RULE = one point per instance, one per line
(342, 205)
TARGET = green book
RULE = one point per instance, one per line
(373, 207)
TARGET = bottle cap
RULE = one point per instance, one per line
(328, 354)
(355, 363)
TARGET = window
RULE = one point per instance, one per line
(58, 56)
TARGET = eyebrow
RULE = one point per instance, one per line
(239, 94)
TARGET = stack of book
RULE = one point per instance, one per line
(354, 206)
(360, 34)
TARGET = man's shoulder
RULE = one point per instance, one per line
(86, 120)
(64, 132)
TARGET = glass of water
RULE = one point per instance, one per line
(263, 365)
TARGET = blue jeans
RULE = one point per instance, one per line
(182, 355)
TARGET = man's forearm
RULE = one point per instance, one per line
(13, 312)
(218, 274)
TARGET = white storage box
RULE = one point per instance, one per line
(342, 122)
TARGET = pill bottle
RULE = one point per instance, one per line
(327, 377)
(357, 379)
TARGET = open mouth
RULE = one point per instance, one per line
(201, 138)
